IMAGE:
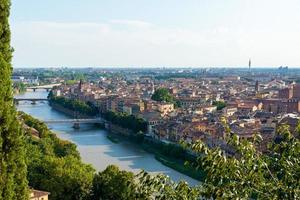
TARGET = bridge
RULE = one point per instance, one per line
(33, 100)
(45, 87)
(76, 122)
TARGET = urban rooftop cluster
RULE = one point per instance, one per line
(193, 108)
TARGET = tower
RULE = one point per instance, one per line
(256, 86)
(249, 64)
(80, 85)
(152, 87)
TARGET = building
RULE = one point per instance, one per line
(293, 91)
(285, 93)
(229, 111)
(38, 195)
(165, 108)
(28, 80)
(256, 86)
(296, 91)
(190, 101)
(16, 79)
(293, 105)
(153, 119)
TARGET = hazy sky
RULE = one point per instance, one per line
(155, 32)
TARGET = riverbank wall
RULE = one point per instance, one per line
(115, 129)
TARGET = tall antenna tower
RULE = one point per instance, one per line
(249, 64)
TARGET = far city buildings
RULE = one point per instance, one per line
(258, 102)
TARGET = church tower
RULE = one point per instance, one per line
(256, 87)
(80, 85)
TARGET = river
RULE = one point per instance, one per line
(94, 147)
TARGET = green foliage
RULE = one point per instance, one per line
(54, 165)
(249, 173)
(19, 86)
(183, 167)
(46, 76)
(168, 149)
(74, 105)
(71, 82)
(35, 123)
(13, 183)
(174, 76)
(113, 184)
(126, 121)
(162, 94)
(177, 104)
(214, 82)
(220, 104)
(176, 157)
(160, 187)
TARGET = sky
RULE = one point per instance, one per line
(155, 33)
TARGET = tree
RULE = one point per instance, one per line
(66, 177)
(249, 174)
(160, 187)
(162, 94)
(220, 104)
(112, 184)
(13, 183)
(19, 87)
(55, 165)
(74, 105)
(126, 121)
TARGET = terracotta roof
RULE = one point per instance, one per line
(37, 194)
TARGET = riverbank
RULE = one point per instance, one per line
(116, 133)
(94, 146)
(180, 165)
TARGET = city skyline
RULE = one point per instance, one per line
(157, 34)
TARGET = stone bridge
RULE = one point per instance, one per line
(76, 122)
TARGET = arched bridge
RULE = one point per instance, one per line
(45, 87)
(76, 122)
(81, 121)
(33, 100)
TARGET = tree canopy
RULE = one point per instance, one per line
(163, 94)
(250, 173)
(55, 165)
(220, 104)
(13, 182)
(112, 184)
(126, 121)
(74, 105)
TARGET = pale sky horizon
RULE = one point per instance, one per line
(156, 33)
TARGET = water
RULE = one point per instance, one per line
(94, 147)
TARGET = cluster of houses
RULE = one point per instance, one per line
(25, 80)
(251, 107)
